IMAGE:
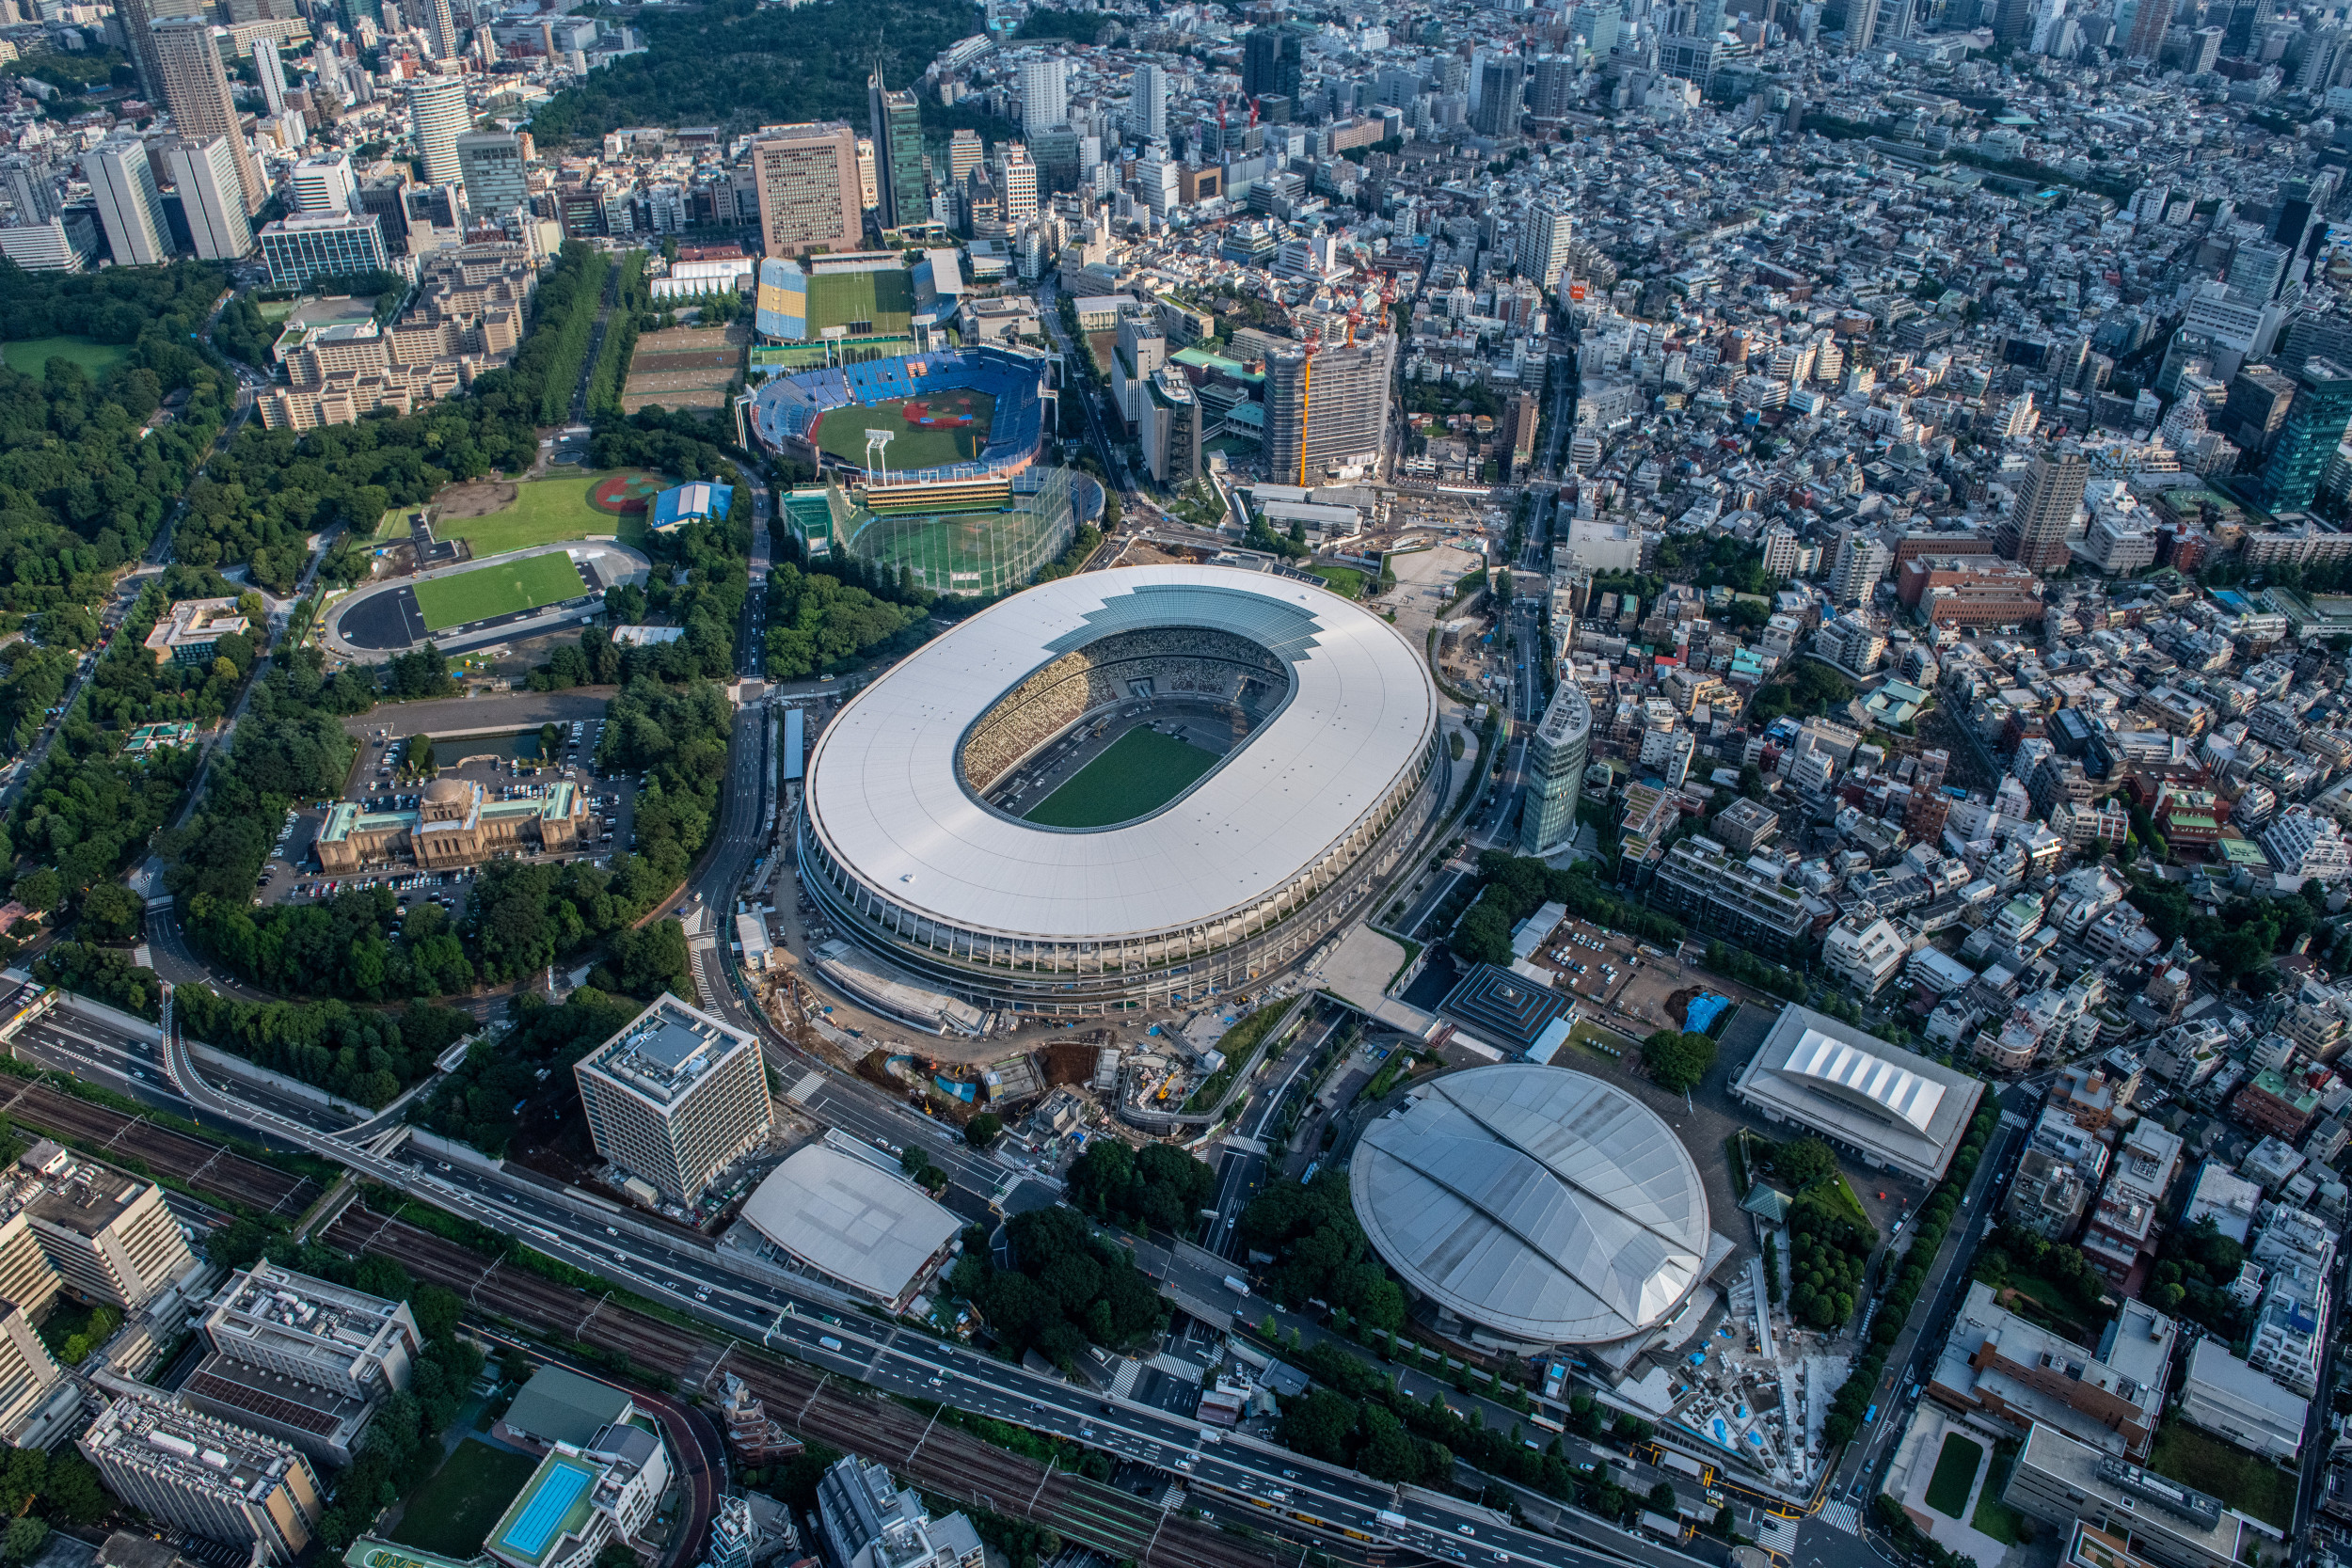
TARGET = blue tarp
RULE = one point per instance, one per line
(1704, 1010)
(962, 1091)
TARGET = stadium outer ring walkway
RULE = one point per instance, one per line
(616, 563)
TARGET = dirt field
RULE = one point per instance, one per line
(687, 367)
(479, 498)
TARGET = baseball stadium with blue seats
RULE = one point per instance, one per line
(788, 409)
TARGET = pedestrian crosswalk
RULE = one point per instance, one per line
(1776, 1533)
(1843, 1516)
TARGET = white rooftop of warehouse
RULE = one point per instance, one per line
(846, 1217)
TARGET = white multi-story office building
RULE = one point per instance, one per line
(130, 208)
(206, 173)
(323, 184)
(315, 1330)
(675, 1098)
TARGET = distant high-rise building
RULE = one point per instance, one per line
(1555, 772)
(2035, 533)
(270, 71)
(2148, 28)
(1044, 95)
(1863, 559)
(1504, 82)
(2257, 270)
(965, 151)
(130, 208)
(440, 28)
(495, 168)
(1017, 178)
(210, 200)
(324, 184)
(1862, 23)
(1147, 107)
(1552, 86)
(1544, 246)
(675, 1096)
(1272, 60)
(2012, 21)
(2315, 426)
(32, 187)
(1328, 409)
(196, 89)
(136, 18)
(808, 194)
(901, 179)
(437, 116)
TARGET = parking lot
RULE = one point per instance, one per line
(293, 874)
(1593, 961)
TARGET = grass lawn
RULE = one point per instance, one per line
(1838, 1196)
(451, 1513)
(2054, 1309)
(477, 595)
(1955, 1472)
(1142, 769)
(1993, 1516)
(97, 358)
(394, 528)
(545, 511)
(1346, 581)
(2237, 1477)
(1608, 1042)
(843, 431)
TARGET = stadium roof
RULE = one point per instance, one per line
(885, 794)
(1899, 1111)
(850, 1220)
(1542, 1203)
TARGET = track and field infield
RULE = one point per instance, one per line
(500, 590)
(1138, 773)
(928, 432)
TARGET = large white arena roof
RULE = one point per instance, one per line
(1543, 1203)
(885, 796)
(1895, 1109)
(849, 1219)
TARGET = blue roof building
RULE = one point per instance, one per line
(701, 501)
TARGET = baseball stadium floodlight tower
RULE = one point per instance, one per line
(878, 456)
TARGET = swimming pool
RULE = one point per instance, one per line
(532, 1528)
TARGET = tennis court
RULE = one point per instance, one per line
(500, 590)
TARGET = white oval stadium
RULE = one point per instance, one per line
(1541, 1206)
(1121, 788)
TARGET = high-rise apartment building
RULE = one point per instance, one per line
(32, 186)
(2035, 533)
(196, 89)
(901, 179)
(1502, 83)
(136, 18)
(808, 194)
(2148, 28)
(1555, 772)
(966, 152)
(2314, 427)
(323, 184)
(211, 199)
(441, 29)
(1147, 105)
(208, 1476)
(1544, 246)
(270, 71)
(130, 208)
(1044, 95)
(437, 116)
(1863, 559)
(109, 1236)
(675, 1097)
(1328, 409)
(495, 168)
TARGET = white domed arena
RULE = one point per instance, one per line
(1124, 788)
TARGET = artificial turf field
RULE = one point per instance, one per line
(842, 432)
(451, 1513)
(1955, 1472)
(1140, 771)
(502, 590)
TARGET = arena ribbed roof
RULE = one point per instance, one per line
(884, 792)
(1541, 1202)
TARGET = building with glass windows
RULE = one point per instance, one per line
(322, 244)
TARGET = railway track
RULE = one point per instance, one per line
(209, 1167)
(943, 1459)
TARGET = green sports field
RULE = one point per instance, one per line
(843, 431)
(502, 590)
(1142, 770)
(451, 1513)
(27, 356)
(543, 511)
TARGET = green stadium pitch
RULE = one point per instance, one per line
(500, 590)
(865, 302)
(1140, 773)
(842, 431)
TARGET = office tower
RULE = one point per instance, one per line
(136, 19)
(964, 153)
(2293, 216)
(2204, 51)
(675, 1098)
(2246, 20)
(324, 184)
(1147, 106)
(495, 166)
(1328, 409)
(808, 194)
(1044, 95)
(196, 89)
(2035, 533)
(32, 187)
(2258, 269)
(1555, 772)
(1863, 559)
(2148, 28)
(901, 179)
(129, 206)
(1862, 22)
(322, 244)
(211, 199)
(210, 1478)
(1552, 86)
(270, 71)
(1502, 83)
(2316, 425)
(2012, 21)
(1272, 60)
(440, 28)
(437, 116)
(1544, 246)
(1017, 180)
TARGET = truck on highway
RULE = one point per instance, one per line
(1391, 1520)
(829, 1342)
(1239, 1285)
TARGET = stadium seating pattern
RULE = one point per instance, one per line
(787, 407)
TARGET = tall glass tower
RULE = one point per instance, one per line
(1555, 772)
(901, 181)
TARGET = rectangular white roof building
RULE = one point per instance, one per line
(2231, 1400)
(834, 1211)
(1886, 1106)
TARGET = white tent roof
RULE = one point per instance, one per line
(845, 1218)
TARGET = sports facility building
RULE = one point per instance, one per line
(978, 537)
(1240, 757)
(1892, 1109)
(858, 305)
(789, 413)
(1535, 1206)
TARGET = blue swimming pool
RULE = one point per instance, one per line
(536, 1525)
